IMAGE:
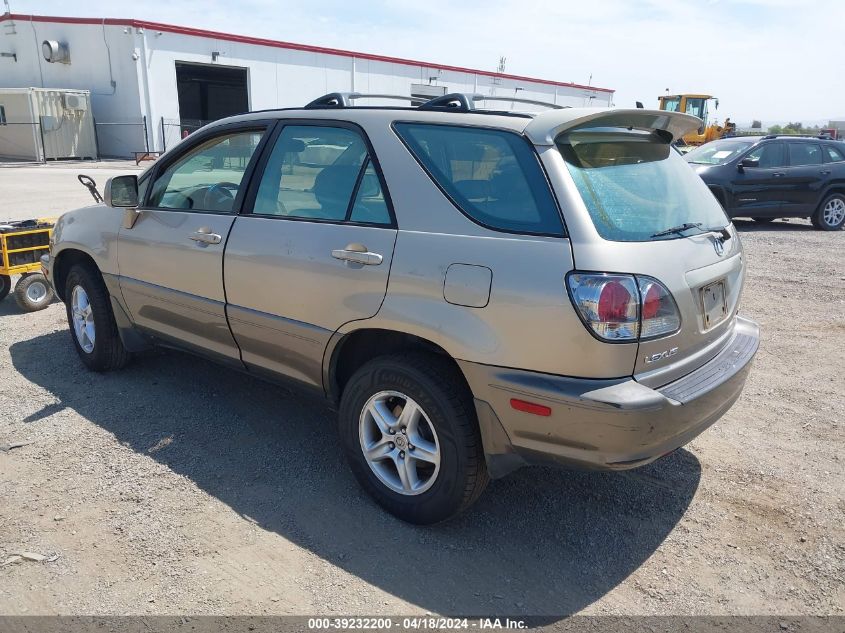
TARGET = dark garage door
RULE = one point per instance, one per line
(209, 92)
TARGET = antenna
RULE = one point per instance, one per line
(500, 69)
(10, 25)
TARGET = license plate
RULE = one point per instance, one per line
(714, 304)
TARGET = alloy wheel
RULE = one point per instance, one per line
(399, 443)
(834, 211)
(83, 319)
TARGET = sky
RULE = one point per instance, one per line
(773, 60)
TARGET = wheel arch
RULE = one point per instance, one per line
(838, 187)
(346, 352)
(720, 194)
(64, 261)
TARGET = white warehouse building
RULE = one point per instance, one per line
(152, 83)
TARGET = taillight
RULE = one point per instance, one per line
(623, 307)
(608, 304)
(660, 315)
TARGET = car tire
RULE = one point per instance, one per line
(446, 432)
(33, 292)
(763, 220)
(5, 286)
(91, 320)
(830, 216)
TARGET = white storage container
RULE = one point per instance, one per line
(38, 124)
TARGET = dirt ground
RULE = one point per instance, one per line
(176, 486)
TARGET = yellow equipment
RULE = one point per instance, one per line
(22, 244)
(697, 105)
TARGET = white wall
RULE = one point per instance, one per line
(277, 77)
(280, 77)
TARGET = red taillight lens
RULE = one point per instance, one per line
(624, 307)
(614, 302)
(651, 302)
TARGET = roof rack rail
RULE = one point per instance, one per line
(345, 99)
(818, 136)
(466, 102)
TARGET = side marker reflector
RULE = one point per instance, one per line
(530, 407)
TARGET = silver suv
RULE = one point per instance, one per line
(474, 290)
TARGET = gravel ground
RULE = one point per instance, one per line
(176, 486)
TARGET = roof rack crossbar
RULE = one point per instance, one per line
(345, 99)
(456, 101)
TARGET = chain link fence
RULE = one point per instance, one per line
(34, 141)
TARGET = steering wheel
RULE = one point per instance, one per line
(220, 196)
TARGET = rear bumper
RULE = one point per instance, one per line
(604, 424)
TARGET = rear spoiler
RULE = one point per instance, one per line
(546, 126)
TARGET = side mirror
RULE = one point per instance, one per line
(747, 162)
(121, 192)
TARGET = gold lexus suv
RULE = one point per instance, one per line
(473, 289)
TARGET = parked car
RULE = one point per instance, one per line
(768, 177)
(473, 290)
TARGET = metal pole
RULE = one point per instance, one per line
(163, 137)
(96, 138)
(146, 138)
(43, 147)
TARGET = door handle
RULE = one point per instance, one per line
(357, 254)
(204, 235)
(825, 172)
(778, 174)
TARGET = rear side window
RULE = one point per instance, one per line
(492, 176)
(318, 172)
(833, 154)
(804, 154)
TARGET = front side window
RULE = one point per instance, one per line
(492, 176)
(635, 186)
(208, 177)
(769, 155)
(833, 154)
(804, 154)
(321, 173)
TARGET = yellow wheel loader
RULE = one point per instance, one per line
(698, 105)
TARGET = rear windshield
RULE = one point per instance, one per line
(636, 186)
(718, 152)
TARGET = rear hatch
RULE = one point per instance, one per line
(633, 206)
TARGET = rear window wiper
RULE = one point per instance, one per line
(686, 226)
(721, 231)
